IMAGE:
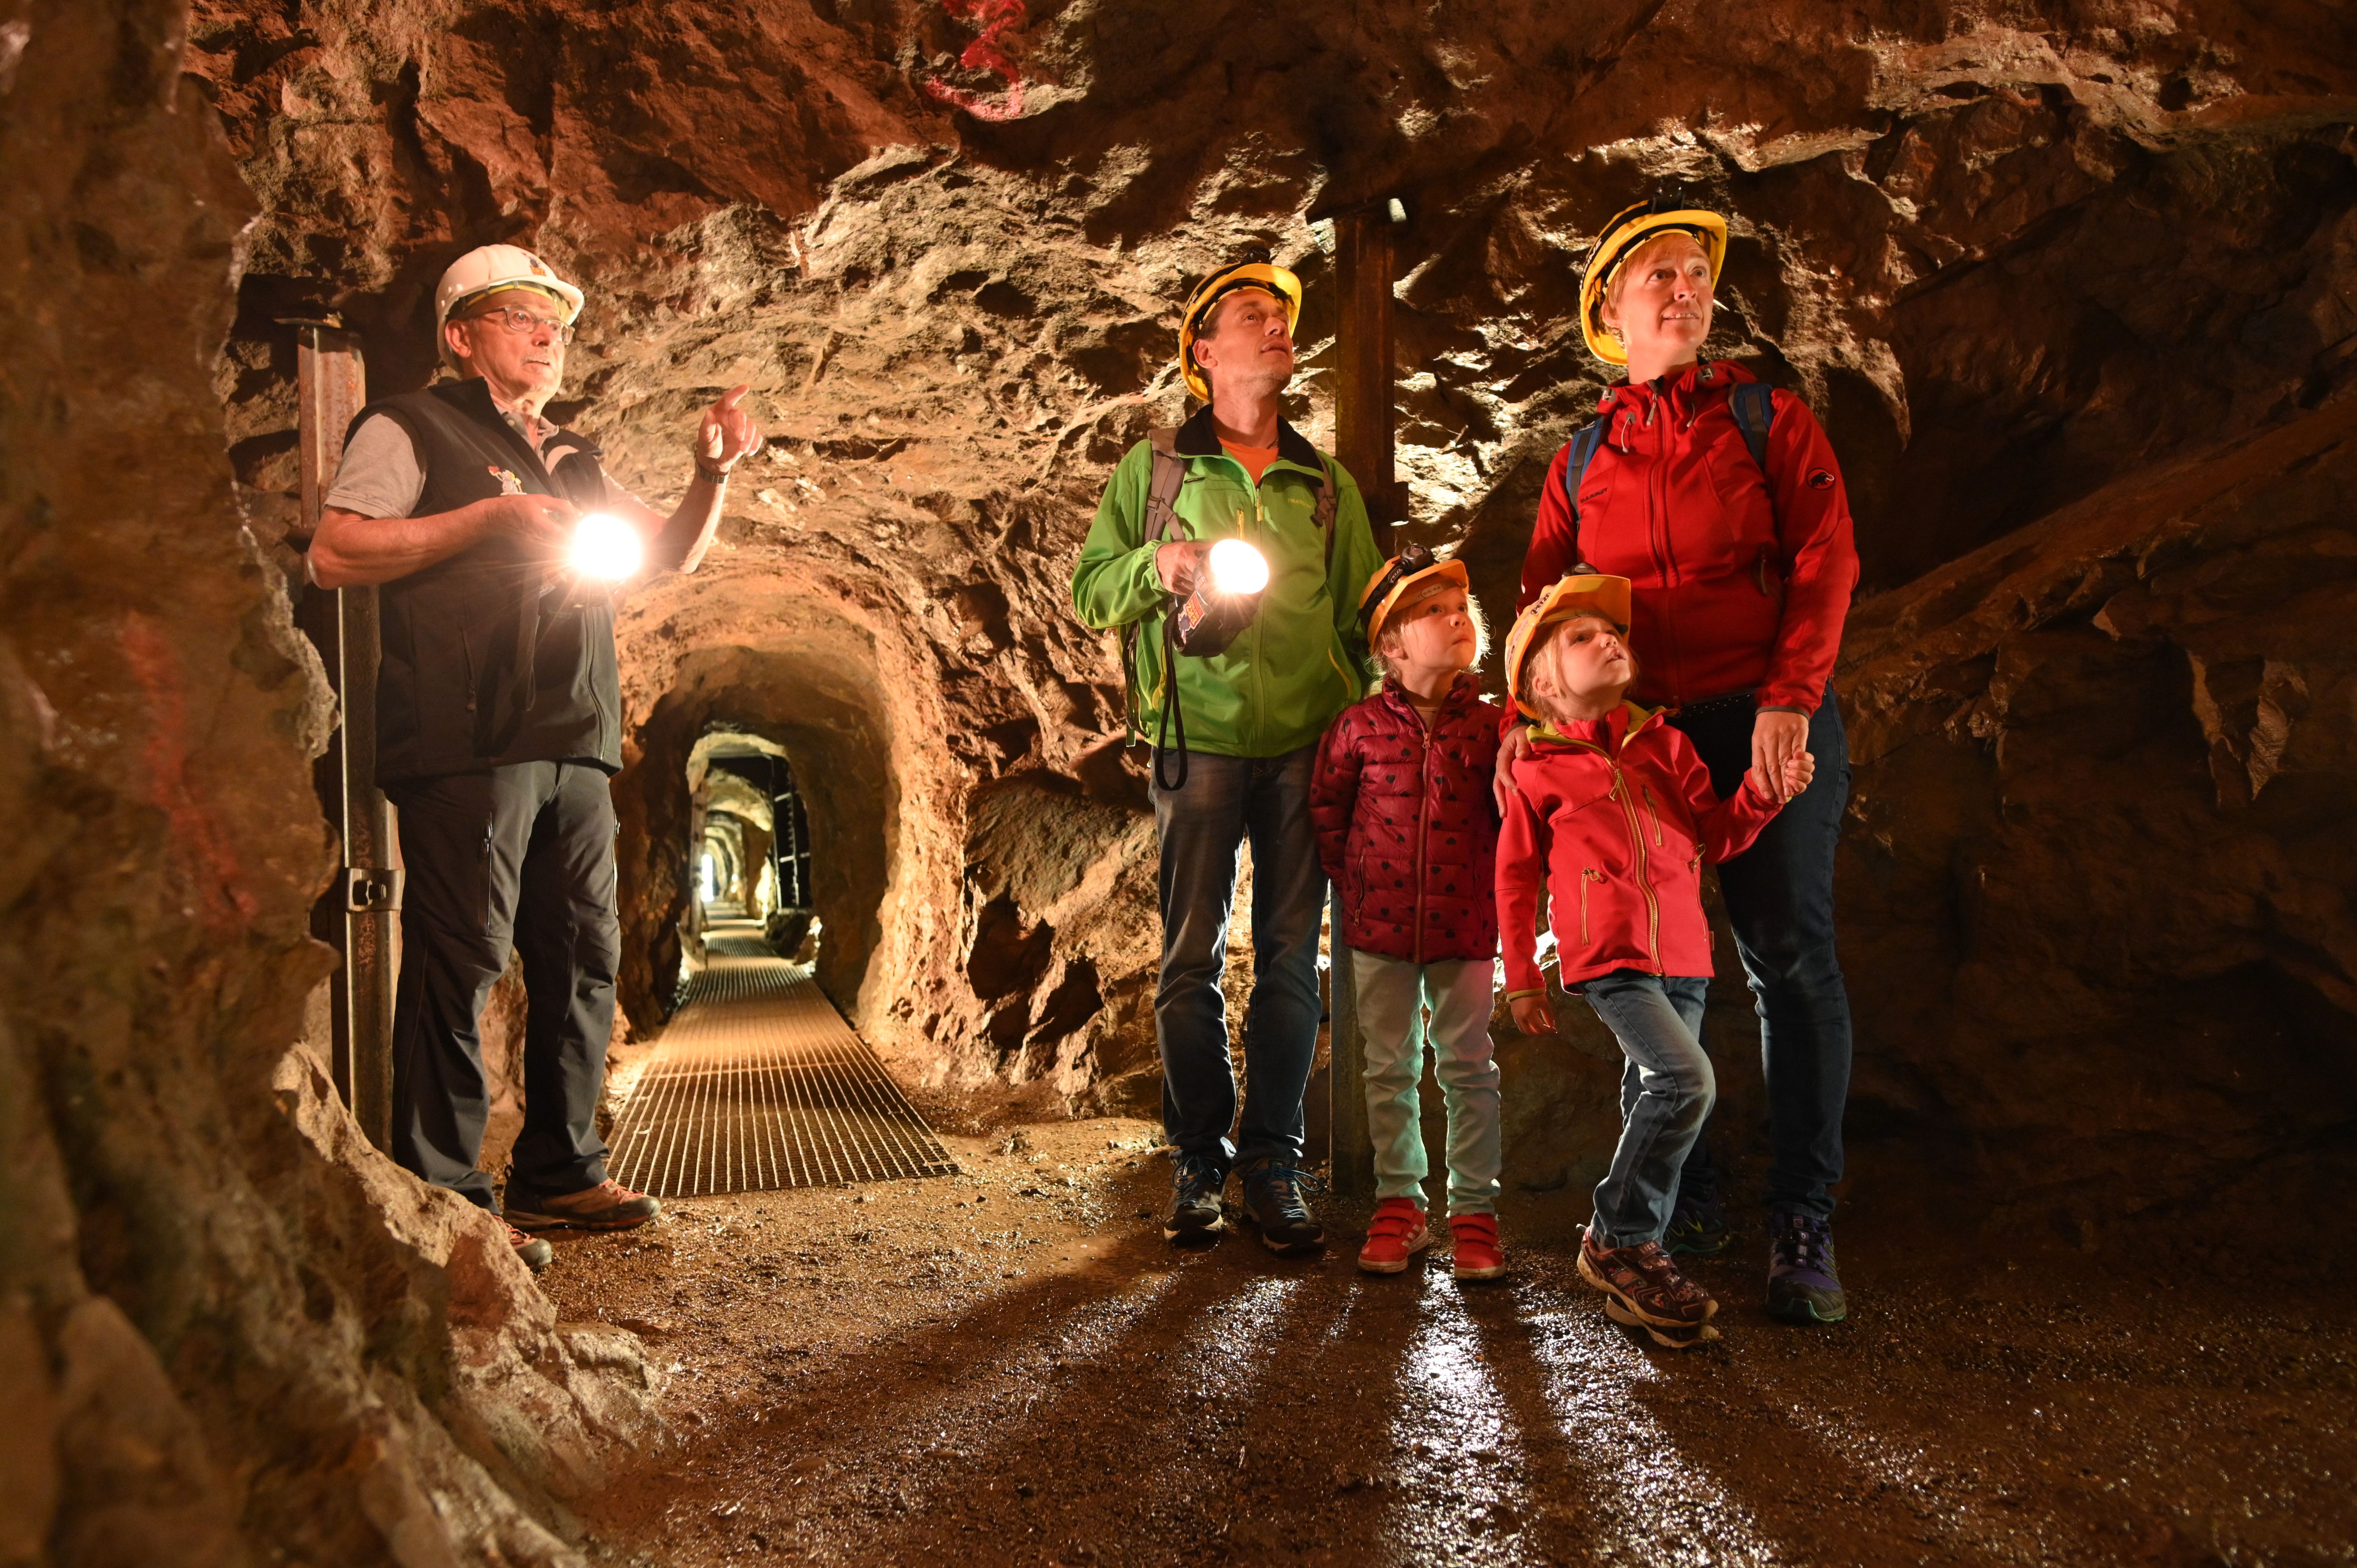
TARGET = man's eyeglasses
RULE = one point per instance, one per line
(517, 320)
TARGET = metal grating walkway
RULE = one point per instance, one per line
(759, 1084)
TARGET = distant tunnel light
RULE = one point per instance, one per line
(711, 879)
(606, 549)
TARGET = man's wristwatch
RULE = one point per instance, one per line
(710, 475)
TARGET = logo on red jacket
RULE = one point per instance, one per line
(1820, 479)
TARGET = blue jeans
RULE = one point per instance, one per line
(1202, 825)
(1666, 1093)
(1780, 900)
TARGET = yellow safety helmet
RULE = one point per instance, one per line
(1630, 229)
(1258, 269)
(1584, 592)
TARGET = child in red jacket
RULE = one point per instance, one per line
(1408, 830)
(1613, 815)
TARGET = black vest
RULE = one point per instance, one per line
(492, 658)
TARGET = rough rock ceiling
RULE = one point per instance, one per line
(2012, 254)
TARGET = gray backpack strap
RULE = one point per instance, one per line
(1162, 521)
(1324, 514)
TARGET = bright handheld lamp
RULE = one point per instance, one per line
(1238, 568)
(606, 549)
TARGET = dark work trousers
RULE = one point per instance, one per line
(518, 858)
(1780, 900)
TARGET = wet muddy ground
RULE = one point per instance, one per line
(1011, 1366)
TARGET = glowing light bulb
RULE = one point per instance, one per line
(606, 548)
(1238, 568)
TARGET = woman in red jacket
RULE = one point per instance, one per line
(1722, 502)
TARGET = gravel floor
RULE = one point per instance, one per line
(1010, 1366)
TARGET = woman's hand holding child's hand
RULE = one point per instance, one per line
(1532, 1015)
(1799, 768)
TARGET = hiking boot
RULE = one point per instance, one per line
(531, 1252)
(1272, 1200)
(1478, 1256)
(1195, 1217)
(1394, 1235)
(1645, 1283)
(609, 1206)
(1802, 1284)
(1696, 1230)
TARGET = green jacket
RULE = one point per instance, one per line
(1301, 661)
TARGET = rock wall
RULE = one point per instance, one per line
(229, 1331)
(2074, 286)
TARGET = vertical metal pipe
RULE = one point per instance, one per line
(361, 910)
(1351, 1162)
(1364, 420)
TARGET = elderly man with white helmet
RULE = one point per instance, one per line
(497, 539)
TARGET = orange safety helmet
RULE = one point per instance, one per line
(1406, 580)
(1630, 228)
(1584, 592)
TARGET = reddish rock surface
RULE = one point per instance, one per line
(2074, 286)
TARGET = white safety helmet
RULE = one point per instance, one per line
(488, 268)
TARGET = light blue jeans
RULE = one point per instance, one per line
(1666, 1093)
(1393, 994)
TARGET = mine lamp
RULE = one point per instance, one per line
(606, 549)
(1226, 598)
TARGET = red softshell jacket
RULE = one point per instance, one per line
(1742, 578)
(1615, 820)
(1407, 826)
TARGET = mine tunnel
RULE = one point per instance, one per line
(786, 848)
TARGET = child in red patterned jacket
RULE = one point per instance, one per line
(1612, 815)
(1408, 831)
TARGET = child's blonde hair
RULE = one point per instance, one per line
(1388, 664)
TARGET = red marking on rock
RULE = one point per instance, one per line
(196, 832)
(997, 18)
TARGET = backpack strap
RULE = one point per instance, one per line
(1162, 521)
(1162, 524)
(1324, 514)
(1753, 403)
(1579, 452)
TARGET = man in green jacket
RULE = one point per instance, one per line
(1250, 718)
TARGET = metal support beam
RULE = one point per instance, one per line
(1365, 267)
(358, 916)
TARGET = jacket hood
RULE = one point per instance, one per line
(1613, 731)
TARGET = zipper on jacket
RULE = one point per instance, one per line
(1654, 813)
(1585, 876)
(1423, 831)
(1621, 793)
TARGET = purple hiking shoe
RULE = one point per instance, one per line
(1802, 1284)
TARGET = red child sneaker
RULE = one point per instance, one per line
(1645, 1283)
(1478, 1256)
(1395, 1234)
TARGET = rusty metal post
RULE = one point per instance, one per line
(1363, 418)
(358, 915)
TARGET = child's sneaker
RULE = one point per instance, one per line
(1802, 1284)
(1667, 1339)
(1478, 1256)
(1643, 1280)
(1697, 1230)
(1394, 1235)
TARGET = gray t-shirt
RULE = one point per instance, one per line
(381, 475)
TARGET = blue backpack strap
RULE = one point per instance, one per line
(1580, 451)
(1753, 403)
